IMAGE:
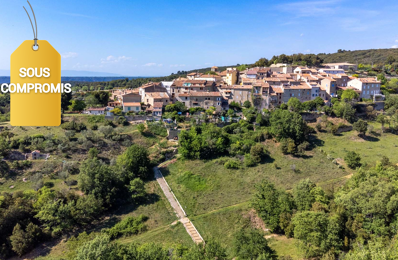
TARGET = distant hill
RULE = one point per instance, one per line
(75, 73)
(374, 56)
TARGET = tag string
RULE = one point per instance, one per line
(34, 16)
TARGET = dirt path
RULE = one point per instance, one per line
(181, 215)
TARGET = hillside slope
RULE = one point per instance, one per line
(361, 56)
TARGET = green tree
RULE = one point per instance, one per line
(390, 59)
(65, 100)
(209, 251)
(270, 203)
(5, 147)
(57, 216)
(353, 159)
(285, 124)
(93, 153)
(344, 110)
(77, 105)
(19, 240)
(137, 188)
(99, 248)
(311, 229)
(262, 62)
(247, 104)
(91, 101)
(141, 128)
(116, 111)
(251, 244)
(257, 152)
(302, 194)
(136, 162)
(382, 119)
(349, 94)
(360, 126)
(99, 179)
(294, 104)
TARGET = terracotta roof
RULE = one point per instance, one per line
(251, 72)
(224, 73)
(277, 89)
(131, 94)
(158, 104)
(158, 95)
(150, 84)
(192, 74)
(131, 104)
(369, 80)
(248, 80)
(301, 86)
(206, 76)
(200, 94)
(239, 87)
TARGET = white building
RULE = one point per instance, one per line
(341, 65)
(96, 111)
(167, 85)
(368, 86)
(332, 71)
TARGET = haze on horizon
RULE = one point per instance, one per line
(157, 38)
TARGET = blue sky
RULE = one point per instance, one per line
(154, 38)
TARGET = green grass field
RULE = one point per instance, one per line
(225, 187)
(371, 148)
(218, 199)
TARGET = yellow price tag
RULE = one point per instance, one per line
(35, 109)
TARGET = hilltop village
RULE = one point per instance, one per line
(264, 87)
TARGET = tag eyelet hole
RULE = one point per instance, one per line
(35, 47)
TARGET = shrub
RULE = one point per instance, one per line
(288, 146)
(360, 126)
(249, 161)
(385, 161)
(128, 226)
(157, 129)
(232, 164)
(94, 127)
(257, 152)
(301, 148)
(141, 128)
(96, 119)
(353, 159)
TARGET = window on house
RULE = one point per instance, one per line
(137, 108)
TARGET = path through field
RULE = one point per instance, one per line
(181, 215)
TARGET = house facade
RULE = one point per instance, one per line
(201, 99)
(368, 87)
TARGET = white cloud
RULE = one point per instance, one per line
(68, 55)
(301, 35)
(396, 40)
(150, 64)
(177, 65)
(113, 59)
(153, 64)
(394, 46)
